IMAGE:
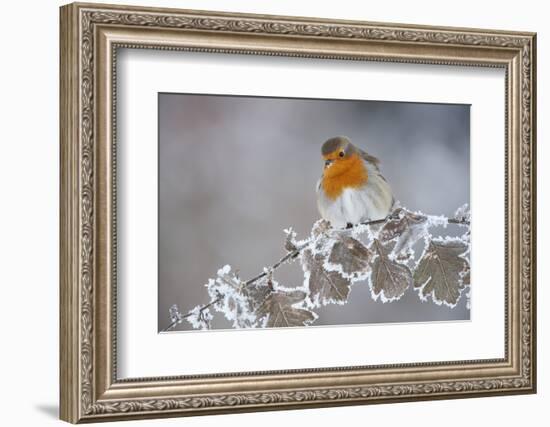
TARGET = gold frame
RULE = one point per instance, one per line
(90, 36)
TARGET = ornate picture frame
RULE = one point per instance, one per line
(91, 34)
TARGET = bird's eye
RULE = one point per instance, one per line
(341, 154)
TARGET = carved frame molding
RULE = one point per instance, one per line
(90, 37)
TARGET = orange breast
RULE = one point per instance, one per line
(344, 173)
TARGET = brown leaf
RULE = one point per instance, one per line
(324, 286)
(389, 279)
(256, 293)
(438, 272)
(407, 227)
(279, 308)
(349, 253)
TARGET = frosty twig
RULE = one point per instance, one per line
(333, 260)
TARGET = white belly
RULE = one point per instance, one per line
(355, 205)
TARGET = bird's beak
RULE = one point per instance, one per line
(328, 163)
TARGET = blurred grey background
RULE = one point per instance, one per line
(235, 171)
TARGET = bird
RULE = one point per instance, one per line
(351, 189)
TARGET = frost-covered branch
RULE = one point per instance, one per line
(382, 252)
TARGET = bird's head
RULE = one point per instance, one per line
(337, 152)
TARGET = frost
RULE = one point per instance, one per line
(465, 276)
(175, 315)
(199, 317)
(363, 230)
(391, 255)
(226, 269)
(463, 213)
(437, 221)
(225, 292)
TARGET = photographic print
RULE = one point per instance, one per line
(288, 212)
(296, 190)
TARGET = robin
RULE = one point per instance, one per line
(352, 189)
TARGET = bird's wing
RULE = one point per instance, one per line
(370, 159)
(375, 162)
